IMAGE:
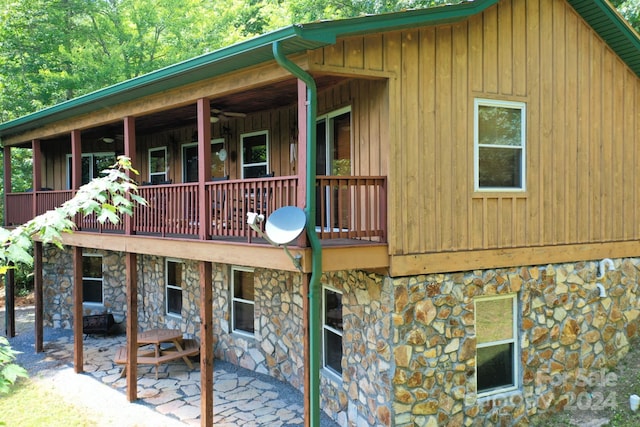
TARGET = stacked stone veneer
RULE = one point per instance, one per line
(409, 344)
(566, 331)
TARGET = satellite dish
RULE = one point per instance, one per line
(285, 225)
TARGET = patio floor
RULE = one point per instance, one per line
(241, 397)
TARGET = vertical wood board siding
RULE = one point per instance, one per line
(583, 129)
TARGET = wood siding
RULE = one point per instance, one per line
(583, 129)
(366, 98)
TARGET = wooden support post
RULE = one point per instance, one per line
(78, 356)
(206, 344)
(132, 325)
(10, 302)
(6, 160)
(130, 152)
(76, 160)
(204, 165)
(37, 173)
(38, 294)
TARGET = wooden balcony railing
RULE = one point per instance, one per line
(347, 207)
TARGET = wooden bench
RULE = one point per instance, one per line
(190, 347)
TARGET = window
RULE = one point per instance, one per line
(332, 331)
(255, 149)
(92, 165)
(190, 160)
(496, 332)
(334, 158)
(499, 145)
(158, 165)
(173, 288)
(243, 300)
(92, 279)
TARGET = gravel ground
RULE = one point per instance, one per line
(81, 389)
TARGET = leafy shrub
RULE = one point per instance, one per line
(9, 371)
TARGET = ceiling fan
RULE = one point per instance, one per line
(218, 115)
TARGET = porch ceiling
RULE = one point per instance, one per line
(275, 95)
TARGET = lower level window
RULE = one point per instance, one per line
(496, 333)
(92, 279)
(173, 291)
(243, 300)
(332, 330)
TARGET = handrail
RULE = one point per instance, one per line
(348, 207)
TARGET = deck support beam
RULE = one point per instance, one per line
(132, 325)
(78, 356)
(38, 294)
(206, 344)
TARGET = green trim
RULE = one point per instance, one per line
(292, 39)
(612, 27)
(599, 14)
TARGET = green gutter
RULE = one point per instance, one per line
(316, 248)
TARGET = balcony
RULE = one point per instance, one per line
(348, 208)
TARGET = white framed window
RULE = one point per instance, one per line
(92, 279)
(332, 330)
(190, 160)
(497, 365)
(92, 165)
(499, 145)
(158, 165)
(242, 300)
(173, 288)
(255, 154)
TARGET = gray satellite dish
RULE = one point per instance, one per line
(285, 225)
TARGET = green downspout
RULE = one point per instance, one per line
(316, 249)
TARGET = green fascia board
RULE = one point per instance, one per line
(244, 54)
(612, 27)
(293, 39)
(601, 16)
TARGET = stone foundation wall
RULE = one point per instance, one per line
(566, 332)
(409, 344)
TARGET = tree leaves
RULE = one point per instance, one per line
(108, 197)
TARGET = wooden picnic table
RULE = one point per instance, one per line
(179, 349)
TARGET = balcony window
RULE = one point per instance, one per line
(190, 160)
(92, 165)
(255, 154)
(158, 165)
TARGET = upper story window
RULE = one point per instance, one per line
(497, 349)
(190, 160)
(255, 154)
(243, 300)
(499, 137)
(92, 165)
(332, 331)
(173, 288)
(158, 165)
(92, 278)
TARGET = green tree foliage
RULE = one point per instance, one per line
(108, 197)
(630, 9)
(9, 371)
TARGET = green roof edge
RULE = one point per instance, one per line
(315, 35)
(301, 38)
(625, 43)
